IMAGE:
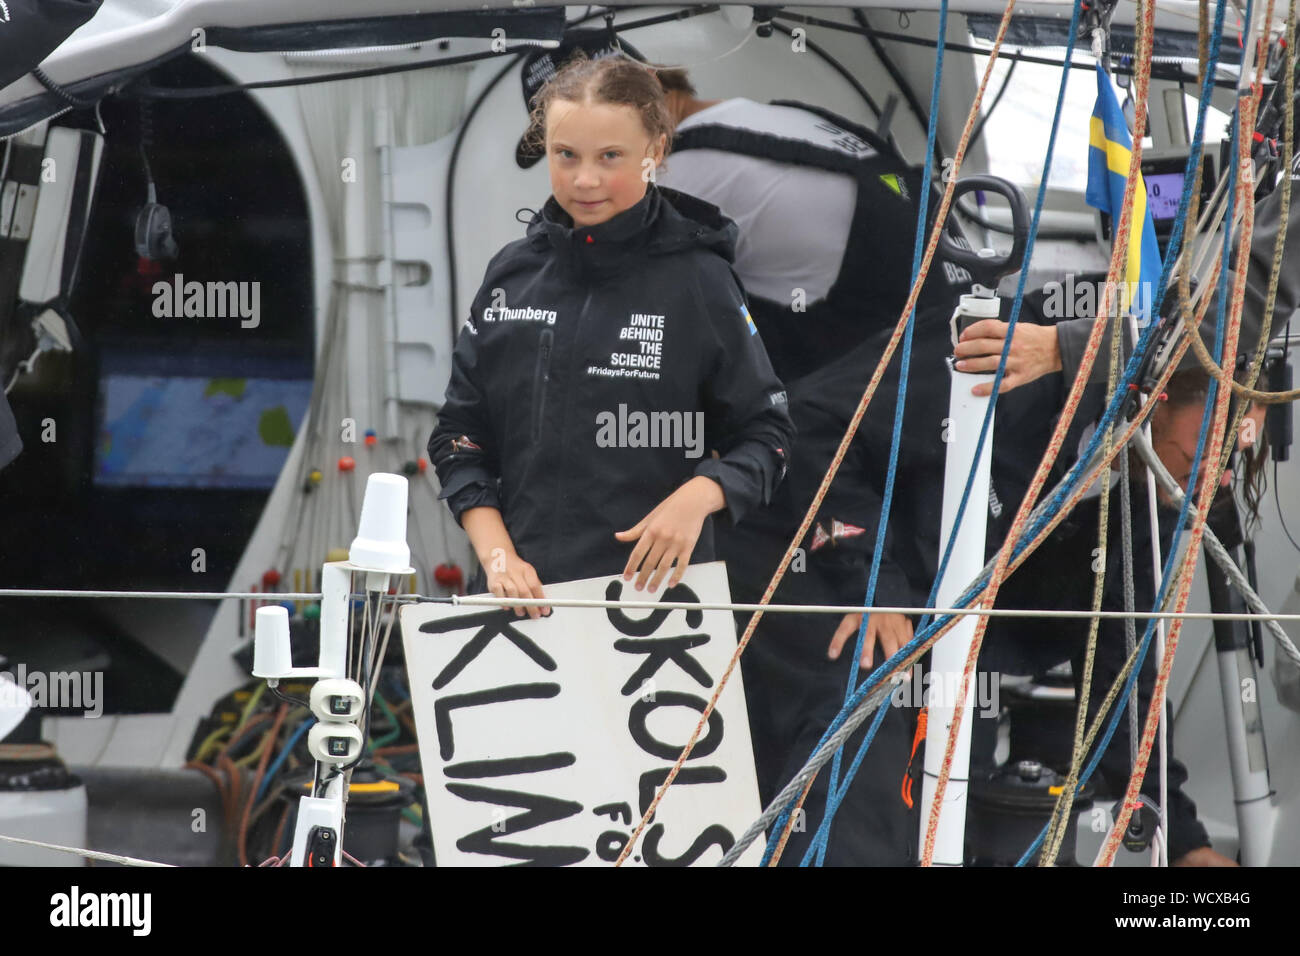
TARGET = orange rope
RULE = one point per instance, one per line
(241, 841)
(220, 784)
(842, 450)
(279, 832)
(397, 749)
(236, 790)
(1118, 254)
(1208, 489)
(1082, 488)
(1138, 421)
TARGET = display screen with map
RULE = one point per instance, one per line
(190, 428)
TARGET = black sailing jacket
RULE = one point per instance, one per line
(599, 369)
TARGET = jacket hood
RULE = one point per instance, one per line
(664, 221)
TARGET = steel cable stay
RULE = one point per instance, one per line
(1263, 614)
(792, 790)
(835, 797)
(1156, 469)
(840, 452)
(1247, 103)
(1059, 821)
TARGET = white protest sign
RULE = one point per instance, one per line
(543, 741)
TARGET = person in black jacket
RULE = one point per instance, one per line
(797, 666)
(605, 356)
(1039, 350)
(1060, 574)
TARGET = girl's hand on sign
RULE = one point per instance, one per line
(511, 576)
(667, 535)
(508, 575)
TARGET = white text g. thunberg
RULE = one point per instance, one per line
(528, 314)
(651, 430)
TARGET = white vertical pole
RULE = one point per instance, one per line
(1247, 757)
(336, 586)
(1160, 855)
(1159, 850)
(948, 658)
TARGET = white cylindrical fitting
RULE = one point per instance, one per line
(380, 544)
(272, 654)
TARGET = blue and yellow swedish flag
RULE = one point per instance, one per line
(1109, 151)
(749, 320)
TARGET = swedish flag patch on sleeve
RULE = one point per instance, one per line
(749, 320)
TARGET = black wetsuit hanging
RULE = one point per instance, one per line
(874, 276)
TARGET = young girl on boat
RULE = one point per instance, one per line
(609, 392)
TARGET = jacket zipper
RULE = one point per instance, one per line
(575, 359)
(541, 377)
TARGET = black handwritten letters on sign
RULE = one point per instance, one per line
(543, 742)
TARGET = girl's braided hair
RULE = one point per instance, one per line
(616, 79)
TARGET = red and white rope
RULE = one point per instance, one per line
(1118, 254)
(845, 442)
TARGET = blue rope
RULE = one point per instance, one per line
(1166, 581)
(985, 427)
(283, 755)
(1166, 576)
(1147, 335)
(1074, 474)
(833, 799)
(895, 440)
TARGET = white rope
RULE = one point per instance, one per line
(268, 596)
(493, 601)
(1217, 550)
(488, 600)
(88, 854)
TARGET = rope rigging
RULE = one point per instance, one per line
(326, 514)
(859, 714)
(999, 372)
(842, 450)
(895, 439)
